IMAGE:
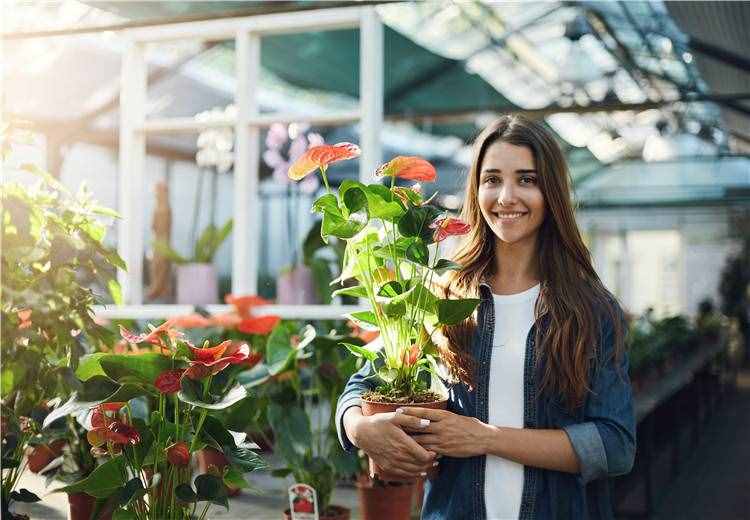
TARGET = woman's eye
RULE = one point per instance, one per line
(528, 180)
(490, 180)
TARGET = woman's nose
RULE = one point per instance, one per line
(507, 195)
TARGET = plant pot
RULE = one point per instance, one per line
(40, 456)
(332, 513)
(197, 284)
(296, 287)
(81, 507)
(210, 457)
(372, 408)
(378, 500)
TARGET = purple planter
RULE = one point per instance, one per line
(296, 287)
(197, 284)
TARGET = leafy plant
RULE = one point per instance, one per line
(205, 247)
(392, 240)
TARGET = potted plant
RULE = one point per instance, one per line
(148, 413)
(389, 231)
(302, 418)
(197, 281)
(55, 267)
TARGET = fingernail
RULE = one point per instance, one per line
(424, 474)
(424, 423)
(399, 410)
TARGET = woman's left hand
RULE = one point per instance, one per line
(451, 434)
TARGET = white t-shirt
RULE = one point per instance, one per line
(514, 317)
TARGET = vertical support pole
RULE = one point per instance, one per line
(130, 181)
(370, 92)
(246, 235)
(624, 274)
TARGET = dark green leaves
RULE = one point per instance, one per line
(443, 265)
(361, 352)
(208, 488)
(451, 312)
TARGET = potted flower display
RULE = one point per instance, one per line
(148, 413)
(393, 237)
(197, 281)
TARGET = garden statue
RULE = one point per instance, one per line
(160, 268)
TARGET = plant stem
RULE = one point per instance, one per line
(202, 418)
(325, 178)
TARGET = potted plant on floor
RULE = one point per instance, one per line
(197, 281)
(389, 231)
(148, 413)
(55, 267)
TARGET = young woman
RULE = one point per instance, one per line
(540, 412)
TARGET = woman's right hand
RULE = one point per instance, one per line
(382, 437)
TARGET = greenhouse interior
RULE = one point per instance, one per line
(255, 262)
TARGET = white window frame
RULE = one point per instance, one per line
(135, 126)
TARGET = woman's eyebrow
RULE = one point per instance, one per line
(518, 172)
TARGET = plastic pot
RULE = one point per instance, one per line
(379, 500)
(197, 284)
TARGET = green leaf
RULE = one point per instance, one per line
(443, 265)
(327, 203)
(451, 312)
(357, 291)
(381, 203)
(124, 514)
(416, 222)
(75, 404)
(280, 354)
(104, 211)
(235, 478)
(186, 494)
(394, 309)
(236, 394)
(132, 491)
(417, 252)
(391, 289)
(115, 291)
(208, 487)
(352, 194)
(361, 352)
(244, 458)
(292, 433)
(164, 249)
(338, 226)
(144, 368)
(103, 482)
(365, 319)
(24, 495)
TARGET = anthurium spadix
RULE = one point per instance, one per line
(392, 260)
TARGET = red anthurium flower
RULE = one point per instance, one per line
(192, 321)
(243, 304)
(105, 413)
(25, 316)
(260, 325)
(409, 168)
(178, 454)
(320, 157)
(207, 353)
(253, 359)
(411, 356)
(449, 226)
(205, 366)
(155, 336)
(116, 432)
(168, 382)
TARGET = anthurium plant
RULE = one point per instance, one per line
(393, 238)
(147, 413)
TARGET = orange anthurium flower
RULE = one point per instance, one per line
(210, 364)
(209, 353)
(178, 454)
(155, 337)
(244, 304)
(409, 168)
(192, 321)
(261, 325)
(411, 356)
(25, 316)
(253, 359)
(320, 157)
(449, 226)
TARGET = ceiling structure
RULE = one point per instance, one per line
(615, 80)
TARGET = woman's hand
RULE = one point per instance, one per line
(451, 434)
(382, 437)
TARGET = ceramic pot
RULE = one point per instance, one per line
(372, 407)
(197, 284)
(296, 287)
(378, 500)
(332, 513)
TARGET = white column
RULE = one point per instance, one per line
(246, 235)
(130, 180)
(370, 92)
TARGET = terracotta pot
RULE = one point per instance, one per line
(296, 287)
(197, 284)
(39, 456)
(81, 507)
(372, 407)
(380, 500)
(211, 457)
(332, 513)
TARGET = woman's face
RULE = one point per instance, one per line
(509, 196)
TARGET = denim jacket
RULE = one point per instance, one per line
(601, 431)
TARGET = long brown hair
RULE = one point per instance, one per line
(572, 293)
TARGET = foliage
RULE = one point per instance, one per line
(53, 258)
(392, 241)
(205, 247)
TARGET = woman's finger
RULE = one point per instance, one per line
(424, 413)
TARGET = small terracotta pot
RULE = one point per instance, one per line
(39, 456)
(372, 408)
(380, 500)
(332, 513)
(211, 457)
(81, 507)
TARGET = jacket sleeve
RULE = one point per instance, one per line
(605, 441)
(359, 383)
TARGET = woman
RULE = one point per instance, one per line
(540, 412)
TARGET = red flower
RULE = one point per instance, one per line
(178, 454)
(449, 226)
(253, 359)
(116, 433)
(105, 413)
(209, 361)
(411, 356)
(243, 304)
(320, 157)
(261, 325)
(25, 316)
(409, 168)
(168, 382)
(155, 337)
(192, 321)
